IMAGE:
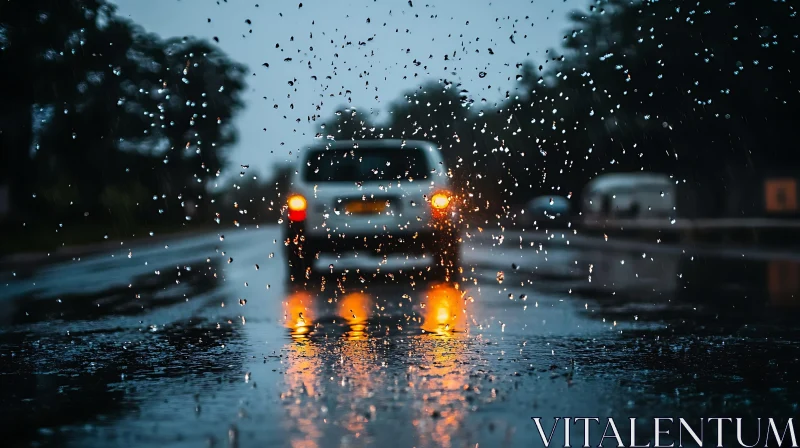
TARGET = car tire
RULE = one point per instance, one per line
(301, 262)
(447, 260)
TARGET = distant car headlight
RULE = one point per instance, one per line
(297, 207)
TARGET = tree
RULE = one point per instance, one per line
(692, 91)
(706, 94)
(113, 105)
(34, 40)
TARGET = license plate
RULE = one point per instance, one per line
(362, 207)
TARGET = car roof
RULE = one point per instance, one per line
(614, 181)
(388, 143)
(557, 200)
(433, 155)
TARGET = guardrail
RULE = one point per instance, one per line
(741, 230)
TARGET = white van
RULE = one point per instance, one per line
(629, 196)
(378, 196)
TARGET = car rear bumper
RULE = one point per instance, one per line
(426, 241)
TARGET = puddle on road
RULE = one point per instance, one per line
(441, 308)
(362, 362)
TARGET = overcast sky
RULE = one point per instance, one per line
(376, 73)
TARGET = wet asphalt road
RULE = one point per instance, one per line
(200, 342)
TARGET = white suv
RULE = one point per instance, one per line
(373, 196)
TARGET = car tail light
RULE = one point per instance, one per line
(297, 207)
(440, 202)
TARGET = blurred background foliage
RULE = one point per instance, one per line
(104, 124)
(705, 94)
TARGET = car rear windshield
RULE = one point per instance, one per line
(364, 164)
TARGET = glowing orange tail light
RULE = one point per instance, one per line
(440, 200)
(297, 207)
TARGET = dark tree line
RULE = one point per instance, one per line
(706, 93)
(254, 199)
(102, 121)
